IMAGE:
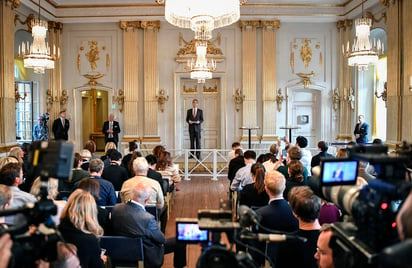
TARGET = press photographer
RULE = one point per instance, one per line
(372, 208)
(41, 129)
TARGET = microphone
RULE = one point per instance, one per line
(273, 237)
(247, 216)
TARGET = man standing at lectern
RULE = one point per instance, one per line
(111, 130)
(194, 118)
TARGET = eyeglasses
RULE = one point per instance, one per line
(321, 252)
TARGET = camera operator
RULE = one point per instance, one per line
(404, 219)
(324, 254)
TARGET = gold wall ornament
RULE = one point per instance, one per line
(350, 98)
(189, 47)
(292, 61)
(64, 98)
(107, 62)
(384, 93)
(78, 62)
(320, 60)
(150, 24)
(93, 80)
(17, 94)
(279, 99)
(306, 78)
(28, 21)
(238, 98)
(50, 100)
(93, 54)
(14, 3)
(369, 14)
(124, 25)
(335, 99)
(249, 24)
(119, 99)
(306, 52)
(161, 99)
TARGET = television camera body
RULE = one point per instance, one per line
(47, 159)
(373, 208)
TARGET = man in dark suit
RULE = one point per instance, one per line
(194, 118)
(61, 127)
(115, 173)
(111, 130)
(361, 130)
(323, 148)
(131, 220)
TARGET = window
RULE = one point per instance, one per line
(24, 111)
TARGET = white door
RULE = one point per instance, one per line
(305, 112)
(209, 101)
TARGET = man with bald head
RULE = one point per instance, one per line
(111, 130)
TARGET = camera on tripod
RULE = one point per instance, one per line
(47, 159)
(372, 208)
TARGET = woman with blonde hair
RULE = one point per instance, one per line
(79, 226)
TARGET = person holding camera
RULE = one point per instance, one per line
(324, 253)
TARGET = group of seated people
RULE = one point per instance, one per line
(101, 198)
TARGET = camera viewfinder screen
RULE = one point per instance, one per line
(339, 172)
(189, 232)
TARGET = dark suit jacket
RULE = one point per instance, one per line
(249, 196)
(153, 174)
(199, 117)
(362, 130)
(61, 132)
(234, 165)
(278, 216)
(116, 131)
(316, 158)
(132, 220)
(116, 175)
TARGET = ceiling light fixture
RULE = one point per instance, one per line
(362, 54)
(201, 69)
(38, 55)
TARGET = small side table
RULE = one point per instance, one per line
(290, 130)
(250, 133)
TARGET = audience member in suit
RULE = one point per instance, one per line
(130, 170)
(235, 164)
(131, 219)
(132, 148)
(243, 175)
(77, 172)
(295, 170)
(306, 207)
(277, 215)
(80, 227)
(115, 173)
(61, 127)
(323, 148)
(231, 154)
(194, 118)
(111, 130)
(105, 158)
(293, 153)
(107, 193)
(153, 174)
(103, 215)
(11, 175)
(254, 195)
(86, 156)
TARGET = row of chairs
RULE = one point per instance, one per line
(124, 251)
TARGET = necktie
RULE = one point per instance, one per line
(194, 113)
(111, 128)
(63, 122)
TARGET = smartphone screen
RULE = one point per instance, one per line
(284, 152)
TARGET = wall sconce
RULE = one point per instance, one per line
(119, 99)
(335, 99)
(17, 94)
(64, 98)
(350, 98)
(279, 99)
(384, 94)
(238, 98)
(50, 99)
(161, 99)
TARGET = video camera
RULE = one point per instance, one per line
(48, 159)
(372, 208)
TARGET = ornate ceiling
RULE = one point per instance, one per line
(74, 11)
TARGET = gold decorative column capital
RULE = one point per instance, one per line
(155, 25)
(124, 25)
(249, 24)
(348, 24)
(387, 2)
(14, 3)
(55, 26)
(270, 24)
(340, 24)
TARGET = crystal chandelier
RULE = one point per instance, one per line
(201, 68)
(363, 53)
(38, 55)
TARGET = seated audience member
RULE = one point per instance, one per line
(5, 160)
(243, 175)
(91, 146)
(79, 226)
(254, 195)
(306, 157)
(324, 254)
(115, 173)
(77, 172)
(103, 215)
(130, 170)
(235, 164)
(231, 154)
(153, 174)
(262, 158)
(323, 148)
(270, 164)
(329, 213)
(109, 146)
(86, 156)
(132, 148)
(342, 153)
(6, 196)
(293, 153)
(165, 167)
(131, 219)
(52, 190)
(12, 175)
(141, 166)
(157, 151)
(306, 207)
(295, 171)
(107, 193)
